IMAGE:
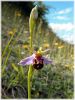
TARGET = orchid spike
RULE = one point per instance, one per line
(36, 59)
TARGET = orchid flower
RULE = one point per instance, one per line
(36, 60)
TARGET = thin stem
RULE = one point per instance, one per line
(29, 81)
(29, 89)
(30, 70)
(33, 16)
(31, 44)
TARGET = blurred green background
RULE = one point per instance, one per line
(52, 81)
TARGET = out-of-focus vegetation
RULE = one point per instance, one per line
(52, 81)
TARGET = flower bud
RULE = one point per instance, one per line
(34, 13)
(32, 19)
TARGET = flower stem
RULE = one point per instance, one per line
(30, 71)
(29, 81)
(32, 19)
(29, 89)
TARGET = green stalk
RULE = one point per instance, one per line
(30, 70)
(33, 17)
(7, 46)
(3, 68)
(29, 80)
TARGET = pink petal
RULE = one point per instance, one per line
(27, 61)
(46, 61)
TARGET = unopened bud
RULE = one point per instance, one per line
(32, 19)
(34, 13)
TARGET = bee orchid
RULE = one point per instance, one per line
(36, 59)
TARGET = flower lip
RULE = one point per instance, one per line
(38, 64)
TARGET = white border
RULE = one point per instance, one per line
(0, 43)
(74, 49)
(0, 49)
